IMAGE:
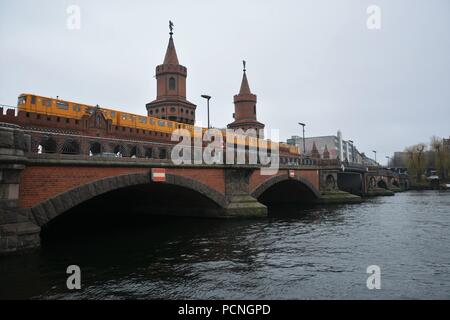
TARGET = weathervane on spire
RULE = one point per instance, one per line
(245, 65)
(171, 25)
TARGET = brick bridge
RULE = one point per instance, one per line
(37, 188)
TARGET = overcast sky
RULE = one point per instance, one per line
(312, 61)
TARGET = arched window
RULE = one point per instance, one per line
(162, 153)
(172, 83)
(95, 148)
(49, 145)
(149, 153)
(134, 152)
(119, 149)
(70, 147)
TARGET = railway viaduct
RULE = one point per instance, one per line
(37, 188)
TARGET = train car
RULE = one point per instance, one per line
(50, 106)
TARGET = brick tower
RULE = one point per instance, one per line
(171, 100)
(245, 108)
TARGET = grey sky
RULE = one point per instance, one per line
(312, 61)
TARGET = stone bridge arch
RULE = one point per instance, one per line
(46, 211)
(381, 183)
(299, 183)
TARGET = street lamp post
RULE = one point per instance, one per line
(375, 152)
(304, 144)
(207, 98)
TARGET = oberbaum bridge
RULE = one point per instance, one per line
(51, 163)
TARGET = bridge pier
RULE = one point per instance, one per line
(237, 191)
(17, 232)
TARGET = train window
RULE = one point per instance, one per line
(76, 108)
(62, 105)
(161, 123)
(142, 120)
(22, 100)
(113, 114)
(33, 99)
(47, 103)
(152, 121)
(124, 117)
(170, 124)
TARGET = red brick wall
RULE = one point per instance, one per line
(214, 178)
(37, 184)
(312, 176)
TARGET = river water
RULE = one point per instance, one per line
(302, 253)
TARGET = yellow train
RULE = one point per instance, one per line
(74, 110)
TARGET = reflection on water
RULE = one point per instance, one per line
(303, 253)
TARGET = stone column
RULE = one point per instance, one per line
(241, 203)
(17, 232)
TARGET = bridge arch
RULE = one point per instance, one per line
(285, 189)
(382, 184)
(54, 207)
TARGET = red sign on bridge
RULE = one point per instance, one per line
(158, 175)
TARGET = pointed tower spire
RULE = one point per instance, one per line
(245, 88)
(171, 102)
(314, 152)
(171, 53)
(245, 108)
(326, 153)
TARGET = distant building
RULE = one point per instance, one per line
(334, 147)
(400, 160)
